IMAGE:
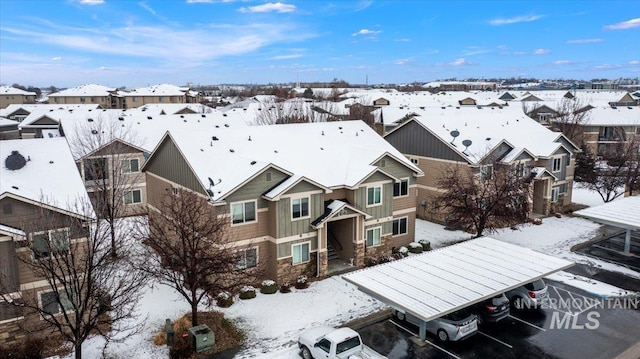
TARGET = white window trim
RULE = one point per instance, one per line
(122, 168)
(373, 244)
(39, 294)
(49, 231)
(132, 199)
(381, 196)
(300, 244)
(255, 204)
(401, 180)
(557, 196)
(257, 256)
(308, 207)
(399, 234)
(553, 164)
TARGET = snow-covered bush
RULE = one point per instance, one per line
(224, 299)
(301, 282)
(404, 251)
(247, 292)
(268, 287)
(415, 247)
(426, 245)
(285, 287)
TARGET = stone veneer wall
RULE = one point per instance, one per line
(11, 331)
(289, 272)
(377, 251)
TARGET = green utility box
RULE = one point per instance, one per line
(202, 338)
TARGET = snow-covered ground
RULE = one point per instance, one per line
(273, 322)
(586, 196)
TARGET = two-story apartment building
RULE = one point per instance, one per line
(295, 194)
(90, 94)
(11, 95)
(437, 137)
(40, 190)
(160, 94)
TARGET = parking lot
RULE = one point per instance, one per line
(572, 324)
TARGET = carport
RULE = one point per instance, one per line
(623, 213)
(439, 282)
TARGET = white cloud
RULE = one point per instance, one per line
(562, 62)
(366, 32)
(629, 24)
(635, 62)
(584, 41)
(402, 40)
(363, 4)
(91, 2)
(514, 20)
(541, 51)
(459, 62)
(270, 7)
(56, 58)
(147, 7)
(286, 57)
(403, 61)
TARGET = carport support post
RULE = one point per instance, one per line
(627, 242)
(423, 330)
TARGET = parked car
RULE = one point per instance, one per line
(529, 296)
(454, 326)
(339, 343)
(493, 309)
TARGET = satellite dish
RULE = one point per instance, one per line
(454, 134)
(467, 143)
(15, 161)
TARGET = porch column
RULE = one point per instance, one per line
(322, 259)
(627, 243)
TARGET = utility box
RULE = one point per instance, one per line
(202, 338)
(168, 327)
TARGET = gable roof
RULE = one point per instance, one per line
(8, 90)
(49, 176)
(85, 90)
(158, 90)
(330, 154)
(332, 208)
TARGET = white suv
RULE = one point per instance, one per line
(529, 296)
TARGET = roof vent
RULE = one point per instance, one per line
(121, 118)
(203, 116)
(149, 117)
(226, 125)
(488, 138)
(95, 132)
(232, 150)
(214, 138)
(253, 163)
(15, 161)
(480, 107)
(181, 116)
(443, 107)
(15, 187)
(90, 119)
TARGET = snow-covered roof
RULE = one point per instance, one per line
(12, 231)
(332, 154)
(85, 90)
(173, 108)
(444, 280)
(486, 128)
(608, 116)
(623, 213)
(9, 110)
(158, 90)
(49, 175)
(8, 90)
(4, 122)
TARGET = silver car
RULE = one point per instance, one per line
(529, 296)
(458, 325)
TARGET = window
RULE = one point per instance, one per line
(325, 345)
(247, 258)
(134, 196)
(52, 242)
(130, 165)
(51, 305)
(374, 196)
(554, 194)
(300, 207)
(557, 162)
(300, 253)
(243, 212)
(134, 99)
(95, 169)
(520, 169)
(401, 188)
(373, 237)
(160, 99)
(83, 100)
(486, 172)
(414, 161)
(400, 226)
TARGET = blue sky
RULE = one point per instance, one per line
(139, 43)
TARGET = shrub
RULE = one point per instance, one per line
(537, 221)
(426, 245)
(370, 262)
(285, 287)
(403, 251)
(268, 287)
(386, 258)
(224, 299)
(247, 292)
(301, 282)
(29, 348)
(415, 247)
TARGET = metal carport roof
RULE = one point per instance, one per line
(622, 213)
(441, 281)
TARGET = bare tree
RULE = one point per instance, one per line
(572, 115)
(91, 292)
(295, 111)
(188, 247)
(109, 167)
(494, 197)
(617, 170)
